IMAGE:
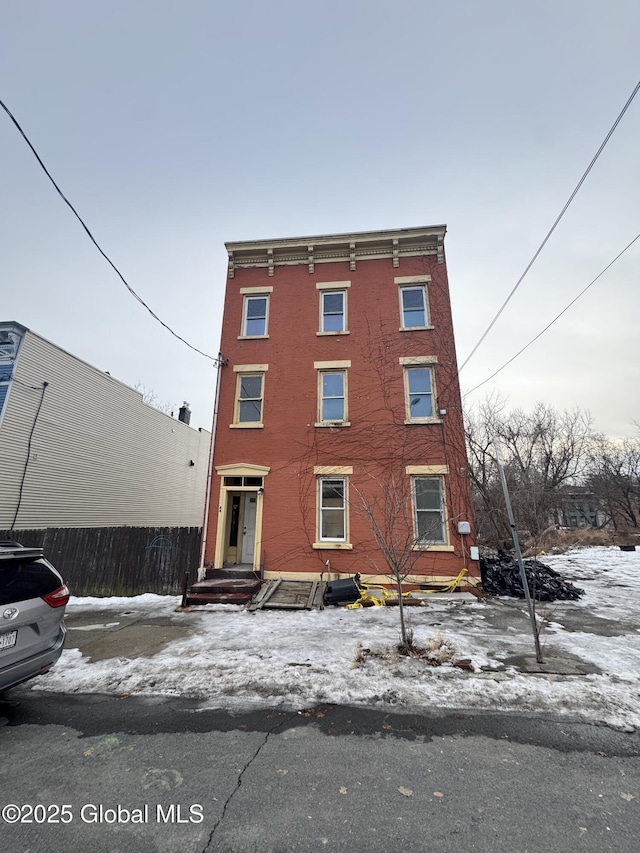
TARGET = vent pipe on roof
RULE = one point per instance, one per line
(184, 414)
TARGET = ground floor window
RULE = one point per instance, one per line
(332, 509)
(429, 510)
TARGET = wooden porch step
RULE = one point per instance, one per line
(218, 598)
(239, 572)
(244, 585)
(283, 594)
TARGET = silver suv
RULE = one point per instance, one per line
(33, 598)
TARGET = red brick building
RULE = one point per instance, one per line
(339, 412)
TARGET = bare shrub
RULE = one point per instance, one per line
(559, 541)
(436, 651)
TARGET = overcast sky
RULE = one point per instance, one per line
(174, 125)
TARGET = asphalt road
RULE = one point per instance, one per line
(96, 773)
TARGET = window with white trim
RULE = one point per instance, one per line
(332, 396)
(254, 316)
(249, 398)
(419, 393)
(332, 509)
(333, 311)
(429, 510)
(413, 307)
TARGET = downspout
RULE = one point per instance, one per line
(220, 364)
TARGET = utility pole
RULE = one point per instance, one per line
(516, 545)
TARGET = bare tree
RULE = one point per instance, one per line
(150, 397)
(387, 509)
(615, 481)
(481, 427)
(543, 451)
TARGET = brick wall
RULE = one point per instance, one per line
(377, 442)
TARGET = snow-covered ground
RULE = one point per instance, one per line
(238, 660)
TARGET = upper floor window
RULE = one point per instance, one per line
(250, 398)
(255, 316)
(414, 307)
(333, 396)
(419, 393)
(333, 311)
(249, 395)
(332, 393)
(333, 307)
(414, 301)
(419, 388)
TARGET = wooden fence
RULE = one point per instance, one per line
(107, 561)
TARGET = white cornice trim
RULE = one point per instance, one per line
(331, 248)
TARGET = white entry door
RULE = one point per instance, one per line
(249, 527)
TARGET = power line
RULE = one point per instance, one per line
(95, 242)
(549, 325)
(553, 227)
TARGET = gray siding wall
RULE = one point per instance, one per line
(100, 457)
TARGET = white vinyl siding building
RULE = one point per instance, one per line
(84, 450)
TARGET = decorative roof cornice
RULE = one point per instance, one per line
(328, 248)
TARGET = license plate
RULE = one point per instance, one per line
(8, 640)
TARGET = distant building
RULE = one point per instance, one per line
(339, 399)
(579, 507)
(79, 449)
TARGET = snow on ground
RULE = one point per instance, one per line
(238, 660)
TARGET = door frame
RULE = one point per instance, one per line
(224, 509)
(243, 531)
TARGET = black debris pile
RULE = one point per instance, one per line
(501, 576)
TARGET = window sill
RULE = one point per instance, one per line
(335, 424)
(246, 426)
(414, 328)
(252, 337)
(421, 421)
(333, 546)
(334, 334)
(433, 548)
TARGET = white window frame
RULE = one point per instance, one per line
(414, 282)
(248, 298)
(329, 540)
(332, 367)
(416, 362)
(332, 472)
(420, 288)
(324, 314)
(442, 511)
(410, 417)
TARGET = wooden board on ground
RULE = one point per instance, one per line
(289, 595)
